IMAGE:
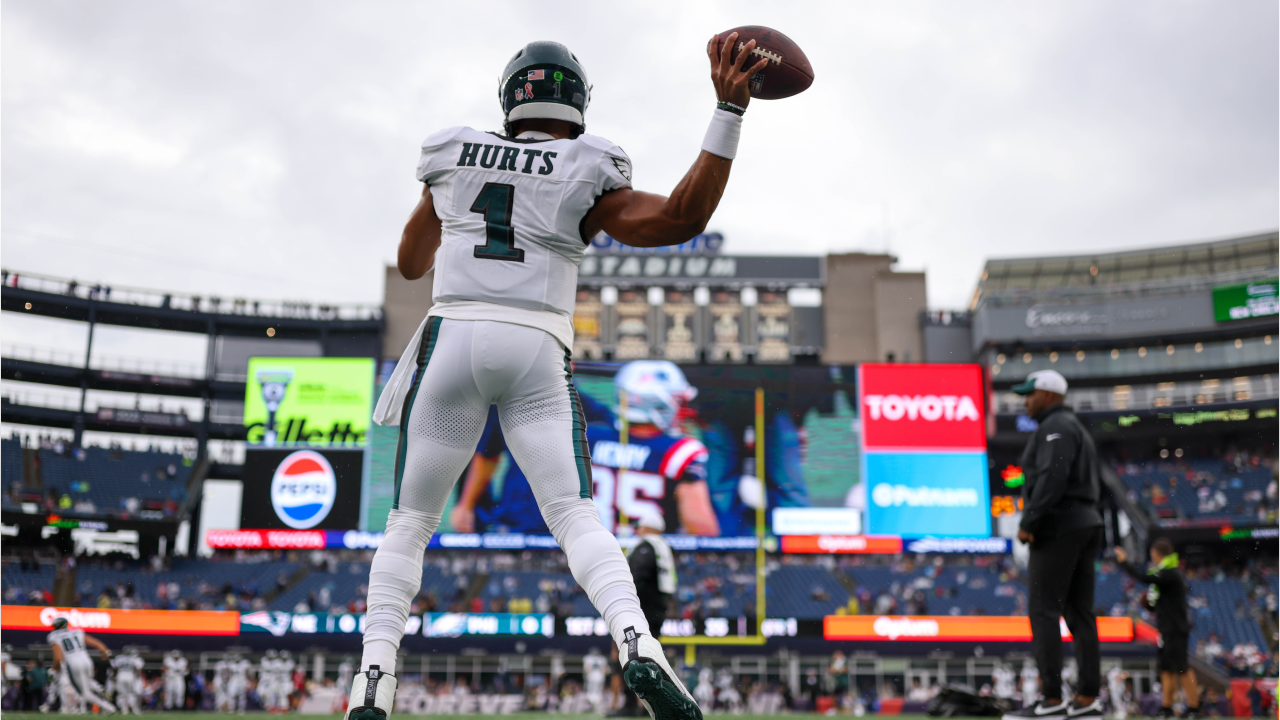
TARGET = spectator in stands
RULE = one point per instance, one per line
(1061, 523)
(1168, 596)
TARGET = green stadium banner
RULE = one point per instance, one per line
(1246, 300)
(324, 402)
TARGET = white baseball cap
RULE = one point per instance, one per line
(1050, 380)
(653, 522)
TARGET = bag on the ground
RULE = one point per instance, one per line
(961, 701)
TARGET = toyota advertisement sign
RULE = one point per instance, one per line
(924, 450)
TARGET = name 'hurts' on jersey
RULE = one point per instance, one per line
(512, 211)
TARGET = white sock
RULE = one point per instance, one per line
(597, 563)
(620, 608)
(381, 653)
(394, 580)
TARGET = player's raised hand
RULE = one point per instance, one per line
(731, 78)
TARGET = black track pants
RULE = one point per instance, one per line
(1060, 584)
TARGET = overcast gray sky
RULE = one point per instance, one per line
(267, 149)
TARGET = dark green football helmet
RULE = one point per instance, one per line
(59, 623)
(544, 80)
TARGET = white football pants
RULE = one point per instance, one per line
(175, 692)
(465, 366)
(127, 689)
(79, 672)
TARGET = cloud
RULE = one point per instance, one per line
(281, 137)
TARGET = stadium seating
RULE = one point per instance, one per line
(945, 590)
(202, 584)
(348, 585)
(1201, 488)
(10, 466)
(1225, 613)
(19, 585)
(118, 482)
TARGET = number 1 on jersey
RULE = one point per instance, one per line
(495, 202)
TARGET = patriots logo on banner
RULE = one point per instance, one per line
(276, 623)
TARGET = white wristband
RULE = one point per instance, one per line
(722, 134)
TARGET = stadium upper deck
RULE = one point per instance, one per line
(1174, 269)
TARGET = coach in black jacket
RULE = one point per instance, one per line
(1061, 522)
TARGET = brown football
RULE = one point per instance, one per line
(788, 72)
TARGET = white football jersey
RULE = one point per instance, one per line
(175, 666)
(511, 211)
(127, 667)
(71, 640)
(594, 664)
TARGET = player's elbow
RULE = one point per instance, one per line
(408, 272)
(674, 232)
(688, 228)
(410, 264)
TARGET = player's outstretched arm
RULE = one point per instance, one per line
(420, 239)
(101, 647)
(644, 219)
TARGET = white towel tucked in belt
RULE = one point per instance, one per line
(391, 402)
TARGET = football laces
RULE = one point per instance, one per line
(771, 56)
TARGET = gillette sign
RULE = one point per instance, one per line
(924, 449)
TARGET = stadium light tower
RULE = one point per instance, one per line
(274, 383)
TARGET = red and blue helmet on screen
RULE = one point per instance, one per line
(656, 392)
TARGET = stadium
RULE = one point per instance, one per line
(158, 530)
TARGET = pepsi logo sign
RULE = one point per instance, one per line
(303, 489)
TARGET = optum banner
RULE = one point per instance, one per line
(140, 622)
(981, 628)
(308, 401)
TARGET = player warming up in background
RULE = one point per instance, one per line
(128, 668)
(71, 657)
(505, 219)
(175, 681)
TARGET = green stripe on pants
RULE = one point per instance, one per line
(581, 450)
(425, 348)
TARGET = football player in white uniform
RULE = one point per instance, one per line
(222, 684)
(1030, 684)
(1115, 686)
(128, 667)
(71, 655)
(1005, 681)
(505, 220)
(268, 680)
(239, 688)
(595, 668)
(284, 681)
(6, 658)
(175, 681)
(346, 670)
